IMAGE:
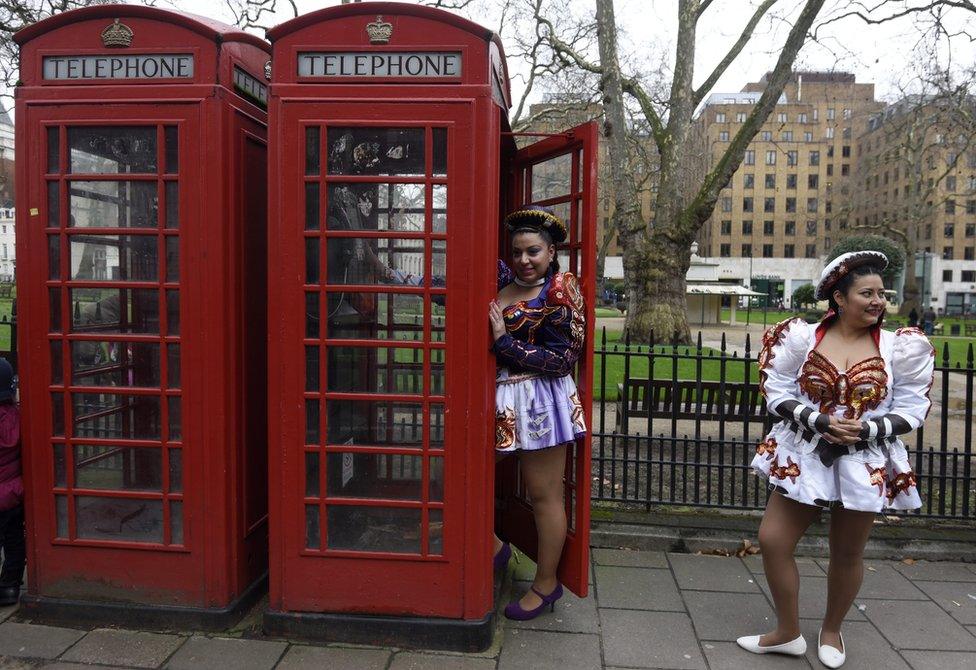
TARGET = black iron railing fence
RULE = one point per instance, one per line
(679, 425)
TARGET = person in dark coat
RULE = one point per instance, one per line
(913, 318)
(11, 492)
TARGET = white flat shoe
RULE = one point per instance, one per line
(796, 647)
(831, 656)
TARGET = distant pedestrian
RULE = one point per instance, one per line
(913, 318)
(11, 492)
(928, 320)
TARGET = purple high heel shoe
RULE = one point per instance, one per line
(514, 611)
(503, 556)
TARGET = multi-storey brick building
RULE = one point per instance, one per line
(784, 200)
(916, 176)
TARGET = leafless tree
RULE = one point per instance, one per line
(657, 256)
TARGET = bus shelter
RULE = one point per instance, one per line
(392, 165)
(141, 224)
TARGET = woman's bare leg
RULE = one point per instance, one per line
(849, 532)
(783, 524)
(543, 471)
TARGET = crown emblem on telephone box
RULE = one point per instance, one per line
(379, 31)
(117, 35)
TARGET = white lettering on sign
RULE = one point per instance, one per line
(405, 65)
(250, 86)
(146, 66)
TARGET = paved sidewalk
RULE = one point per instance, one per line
(645, 610)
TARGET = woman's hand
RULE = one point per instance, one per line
(497, 320)
(843, 431)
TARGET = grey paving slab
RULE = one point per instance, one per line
(971, 629)
(222, 652)
(304, 657)
(807, 567)
(866, 648)
(630, 559)
(728, 616)
(937, 571)
(68, 666)
(135, 649)
(956, 598)
(940, 660)
(5, 612)
(36, 641)
(712, 573)
(730, 656)
(408, 660)
(637, 588)
(546, 650)
(649, 640)
(572, 615)
(882, 581)
(921, 625)
(8, 663)
(813, 598)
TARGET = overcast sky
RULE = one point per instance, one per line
(882, 54)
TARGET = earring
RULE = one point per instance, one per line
(839, 310)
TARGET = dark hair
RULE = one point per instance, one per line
(546, 237)
(844, 283)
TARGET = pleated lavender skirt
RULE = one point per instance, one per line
(534, 411)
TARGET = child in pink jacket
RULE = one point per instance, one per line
(11, 491)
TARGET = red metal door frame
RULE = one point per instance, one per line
(515, 520)
(338, 580)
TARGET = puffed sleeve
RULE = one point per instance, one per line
(505, 275)
(912, 371)
(784, 348)
(565, 331)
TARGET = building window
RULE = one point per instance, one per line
(949, 230)
(845, 151)
(811, 227)
(782, 117)
(747, 204)
(747, 227)
(971, 207)
(770, 180)
(971, 230)
(792, 158)
(771, 157)
(846, 134)
(746, 250)
(787, 136)
(947, 253)
(748, 180)
(950, 183)
(814, 158)
(791, 181)
(723, 136)
(808, 136)
(830, 170)
(766, 136)
(726, 226)
(811, 251)
(767, 251)
(968, 276)
(813, 181)
(720, 117)
(791, 204)
(812, 205)
(726, 204)
(740, 117)
(816, 114)
(830, 133)
(769, 227)
(750, 157)
(769, 204)
(725, 250)
(830, 206)
(830, 113)
(830, 151)
(947, 275)
(950, 206)
(845, 169)
(802, 118)
(847, 114)
(789, 251)
(969, 253)
(843, 224)
(789, 228)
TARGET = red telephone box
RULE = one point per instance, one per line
(391, 169)
(141, 223)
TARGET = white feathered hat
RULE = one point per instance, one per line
(840, 266)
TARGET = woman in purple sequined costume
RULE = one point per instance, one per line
(537, 325)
